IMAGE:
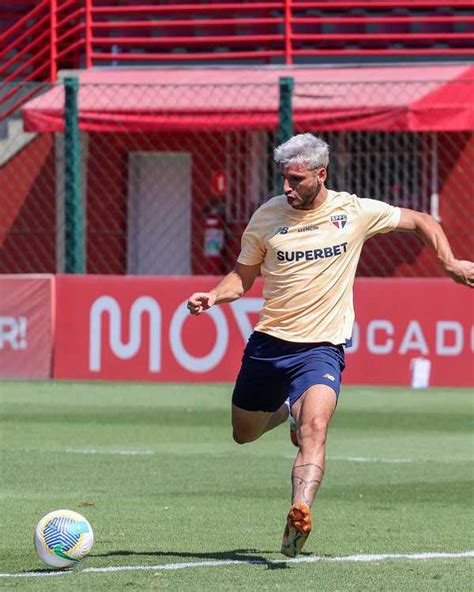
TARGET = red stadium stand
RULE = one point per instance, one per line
(79, 33)
(12, 11)
(40, 37)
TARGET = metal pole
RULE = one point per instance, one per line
(88, 39)
(285, 115)
(74, 216)
(53, 51)
(434, 199)
(288, 32)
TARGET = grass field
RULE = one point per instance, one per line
(154, 470)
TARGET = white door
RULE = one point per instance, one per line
(159, 213)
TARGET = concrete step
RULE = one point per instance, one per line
(15, 139)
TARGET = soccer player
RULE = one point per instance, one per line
(306, 243)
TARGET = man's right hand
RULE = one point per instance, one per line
(200, 302)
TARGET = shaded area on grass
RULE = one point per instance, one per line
(246, 555)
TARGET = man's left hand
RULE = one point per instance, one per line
(462, 272)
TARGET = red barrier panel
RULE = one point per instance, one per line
(26, 326)
(402, 319)
(138, 328)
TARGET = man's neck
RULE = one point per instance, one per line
(320, 198)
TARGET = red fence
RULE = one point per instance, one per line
(84, 33)
(50, 36)
(138, 328)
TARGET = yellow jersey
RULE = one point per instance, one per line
(308, 261)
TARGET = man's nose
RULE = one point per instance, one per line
(286, 186)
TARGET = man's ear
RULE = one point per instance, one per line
(322, 175)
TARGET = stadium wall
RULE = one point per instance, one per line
(107, 219)
(32, 226)
(28, 212)
(405, 251)
(107, 192)
(138, 328)
(453, 168)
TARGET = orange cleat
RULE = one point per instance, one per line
(297, 529)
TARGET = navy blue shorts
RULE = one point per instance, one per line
(273, 370)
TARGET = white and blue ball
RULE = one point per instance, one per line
(63, 538)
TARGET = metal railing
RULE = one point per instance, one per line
(84, 33)
(49, 37)
(275, 32)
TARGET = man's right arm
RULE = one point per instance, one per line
(234, 285)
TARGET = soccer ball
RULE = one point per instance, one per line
(63, 538)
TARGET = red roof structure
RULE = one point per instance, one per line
(400, 98)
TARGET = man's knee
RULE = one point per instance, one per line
(313, 432)
(247, 426)
(241, 436)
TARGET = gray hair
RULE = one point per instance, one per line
(303, 149)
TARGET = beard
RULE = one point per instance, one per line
(305, 202)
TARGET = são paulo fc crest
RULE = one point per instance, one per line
(339, 221)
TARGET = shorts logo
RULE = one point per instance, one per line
(339, 221)
(329, 377)
(282, 230)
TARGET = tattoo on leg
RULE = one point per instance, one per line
(309, 465)
(306, 480)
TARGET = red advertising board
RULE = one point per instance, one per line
(400, 320)
(138, 328)
(26, 326)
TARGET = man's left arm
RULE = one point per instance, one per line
(431, 233)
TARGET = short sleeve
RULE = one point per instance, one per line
(378, 216)
(252, 251)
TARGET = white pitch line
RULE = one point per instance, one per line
(365, 459)
(225, 562)
(104, 451)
